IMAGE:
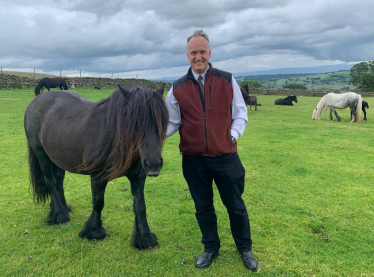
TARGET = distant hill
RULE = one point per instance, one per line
(301, 70)
(28, 74)
(326, 82)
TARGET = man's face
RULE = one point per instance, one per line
(198, 54)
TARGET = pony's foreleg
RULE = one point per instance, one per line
(330, 117)
(93, 228)
(336, 114)
(142, 236)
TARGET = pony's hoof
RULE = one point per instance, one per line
(65, 223)
(58, 219)
(93, 234)
(149, 242)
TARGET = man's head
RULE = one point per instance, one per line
(198, 51)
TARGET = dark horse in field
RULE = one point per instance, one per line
(286, 101)
(365, 106)
(249, 100)
(121, 135)
(51, 83)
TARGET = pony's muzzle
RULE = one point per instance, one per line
(152, 168)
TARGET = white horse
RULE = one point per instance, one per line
(339, 101)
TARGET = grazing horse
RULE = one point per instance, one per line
(121, 135)
(249, 100)
(365, 106)
(286, 101)
(339, 101)
(51, 83)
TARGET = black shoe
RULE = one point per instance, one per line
(249, 261)
(206, 259)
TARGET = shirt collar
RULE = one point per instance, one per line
(196, 75)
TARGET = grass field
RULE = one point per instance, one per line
(309, 193)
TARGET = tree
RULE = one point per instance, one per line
(251, 83)
(362, 75)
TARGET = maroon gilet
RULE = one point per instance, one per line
(205, 121)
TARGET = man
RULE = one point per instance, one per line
(207, 108)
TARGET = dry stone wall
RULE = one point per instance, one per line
(12, 81)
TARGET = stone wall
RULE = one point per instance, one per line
(12, 81)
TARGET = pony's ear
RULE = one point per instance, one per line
(124, 91)
(161, 89)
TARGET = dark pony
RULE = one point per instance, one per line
(286, 101)
(365, 106)
(121, 135)
(51, 83)
(249, 100)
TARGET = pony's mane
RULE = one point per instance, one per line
(291, 97)
(245, 92)
(128, 123)
(321, 107)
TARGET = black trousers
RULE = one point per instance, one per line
(228, 173)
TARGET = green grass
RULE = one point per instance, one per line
(309, 193)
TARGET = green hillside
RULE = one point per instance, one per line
(332, 81)
(28, 74)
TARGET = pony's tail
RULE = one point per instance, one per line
(40, 191)
(358, 109)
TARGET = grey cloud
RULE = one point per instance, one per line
(117, 36)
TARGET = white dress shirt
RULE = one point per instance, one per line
(238, 106)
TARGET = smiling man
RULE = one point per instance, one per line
(207, 108)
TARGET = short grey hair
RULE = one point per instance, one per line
(198, 33)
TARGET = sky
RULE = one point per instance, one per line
(147, 38)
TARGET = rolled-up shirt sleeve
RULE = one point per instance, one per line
(239, 111)
(174, 113)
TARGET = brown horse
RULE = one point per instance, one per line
(121, 135)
